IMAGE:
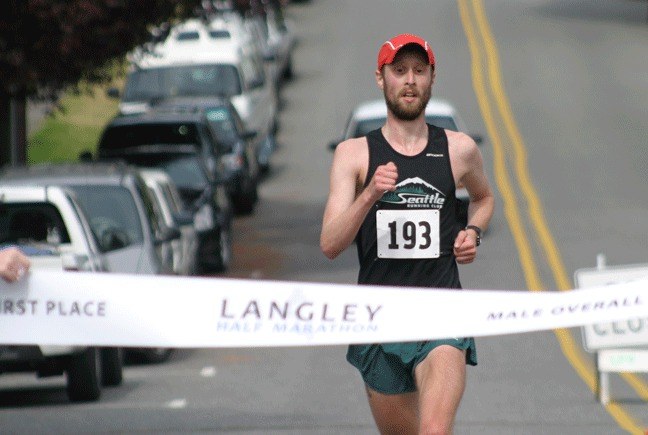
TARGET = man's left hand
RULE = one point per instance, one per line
(465, 247)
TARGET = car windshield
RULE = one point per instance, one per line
(178, 81)
(365, 126)
(221, 121)
(110, 208)
(128, 136)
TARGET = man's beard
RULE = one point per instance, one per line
(407, 113)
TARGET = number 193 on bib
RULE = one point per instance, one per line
(408, 233)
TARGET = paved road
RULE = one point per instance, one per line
(573, 75)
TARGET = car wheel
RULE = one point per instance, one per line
(112, 364)
(289, 71)
(152, 355)
(245, 201)
(83, 376)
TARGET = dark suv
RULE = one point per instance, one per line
(128, 135)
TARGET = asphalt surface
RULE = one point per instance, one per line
(574, 76)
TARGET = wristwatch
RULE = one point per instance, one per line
(477, 230)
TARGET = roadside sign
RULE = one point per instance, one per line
(623, 360)
(626, 333)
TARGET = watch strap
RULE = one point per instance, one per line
(477, 230)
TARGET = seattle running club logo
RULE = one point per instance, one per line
(415, 193)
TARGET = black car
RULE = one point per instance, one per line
(225, 159)
(183, 146)
(241, 147)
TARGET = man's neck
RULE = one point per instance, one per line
(406, 137)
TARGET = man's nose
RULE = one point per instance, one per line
(410, 76)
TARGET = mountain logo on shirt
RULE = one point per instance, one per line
(415, 193)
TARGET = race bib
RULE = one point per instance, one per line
(408, 233)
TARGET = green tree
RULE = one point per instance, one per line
(49, 45)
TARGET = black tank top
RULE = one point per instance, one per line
(425, 182)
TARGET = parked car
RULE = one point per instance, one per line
(118, 206)
(204, 66)
(282, 38)
(49, 225)
(241, 148)
(121, 214)
(371, 115)
(166, 194)
(228, 28)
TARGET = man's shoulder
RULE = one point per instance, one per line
(352, 145)
(460, 143)
(459, 137)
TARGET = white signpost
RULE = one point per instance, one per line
(617, 344)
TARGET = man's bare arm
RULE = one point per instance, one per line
(482, 201)
(345, 208)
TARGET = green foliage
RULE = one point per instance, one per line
(60, 141)
(74, 129)
(48, 45)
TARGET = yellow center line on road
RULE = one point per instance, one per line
(502, 179)
(534, 206)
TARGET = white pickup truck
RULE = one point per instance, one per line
(48, 224)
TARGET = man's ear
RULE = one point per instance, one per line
(380, 79)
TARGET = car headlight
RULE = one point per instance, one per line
(204, 218)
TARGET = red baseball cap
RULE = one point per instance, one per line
(390, 48)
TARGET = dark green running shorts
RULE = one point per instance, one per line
(389, 367)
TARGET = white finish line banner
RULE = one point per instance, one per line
(75, 308)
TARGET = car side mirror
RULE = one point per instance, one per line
(112, 239)
(167, 234)
(75, 262)
(257, 83)
(270, 55)
(249, 134)
(184, 217)
(85, 156)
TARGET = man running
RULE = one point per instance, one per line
(393, 193)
